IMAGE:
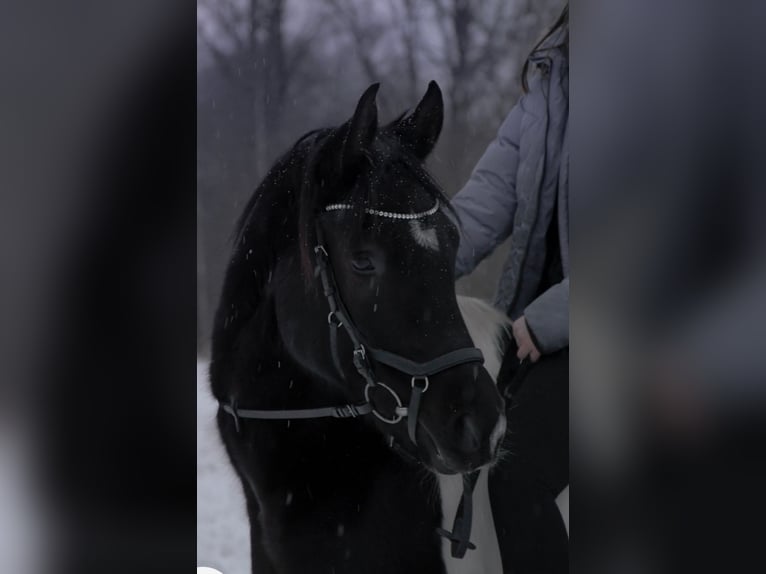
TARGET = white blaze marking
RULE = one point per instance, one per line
(425, 237)
(485, 559)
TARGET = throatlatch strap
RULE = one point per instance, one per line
(461, 527)
(339, 412)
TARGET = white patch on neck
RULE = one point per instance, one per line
(425, 237)
(485, 326)
(485, 558)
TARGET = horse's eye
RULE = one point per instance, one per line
(362, 264)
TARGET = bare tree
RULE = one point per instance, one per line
(247, 41)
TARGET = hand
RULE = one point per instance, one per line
(526, 347)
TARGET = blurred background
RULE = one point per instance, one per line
(99, 224)
(271, 70)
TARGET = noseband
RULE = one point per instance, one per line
(419, 373)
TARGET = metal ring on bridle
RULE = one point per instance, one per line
(397, 417)
(337, 322)
(424, 389)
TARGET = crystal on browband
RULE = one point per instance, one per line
(388, 214)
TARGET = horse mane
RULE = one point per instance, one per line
(264, 228)
(299, 148)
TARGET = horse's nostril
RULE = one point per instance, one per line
(470, 438)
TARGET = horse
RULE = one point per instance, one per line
(354, 406)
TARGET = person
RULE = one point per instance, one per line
(519, 190)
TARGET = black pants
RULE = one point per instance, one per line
(535, 470)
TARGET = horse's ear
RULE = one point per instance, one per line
(420, 130)
(347, 149)
(361, 127)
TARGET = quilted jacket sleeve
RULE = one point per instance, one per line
(487, 203)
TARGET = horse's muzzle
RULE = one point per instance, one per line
(469, 443)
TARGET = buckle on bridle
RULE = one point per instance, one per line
(336, 322)
(234, 414)
(360, 359)
(348, 411)
(425, 387)
(320, 249)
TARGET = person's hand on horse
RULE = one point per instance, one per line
(524, 343)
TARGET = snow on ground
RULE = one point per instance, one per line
(24, 538)
(223, 532)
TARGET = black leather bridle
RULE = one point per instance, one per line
(419, 372)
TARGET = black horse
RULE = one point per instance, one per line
(339, 303)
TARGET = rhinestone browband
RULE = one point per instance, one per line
(388, 214)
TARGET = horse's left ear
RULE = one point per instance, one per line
(420, 130)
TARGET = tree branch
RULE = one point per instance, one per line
(223, 60)
(358, 33)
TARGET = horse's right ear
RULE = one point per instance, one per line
(347, 149)
(420, 130)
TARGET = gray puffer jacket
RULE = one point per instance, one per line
(518, 186)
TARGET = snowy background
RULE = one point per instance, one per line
(23, 536)
(223, 533)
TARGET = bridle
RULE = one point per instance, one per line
(337, 318)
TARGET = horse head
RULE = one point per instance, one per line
(372, 267)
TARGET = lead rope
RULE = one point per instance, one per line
(461, 527)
